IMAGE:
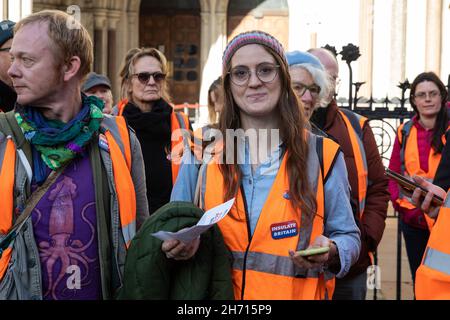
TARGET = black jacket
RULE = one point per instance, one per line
(153, 130)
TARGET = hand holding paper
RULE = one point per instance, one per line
(210, 218)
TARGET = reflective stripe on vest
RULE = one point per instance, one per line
(433, 275)
(437, 260)
(360, 159)
(262, 268)
(273, 264)
(410, 159)
(126, 195)
(178, 120)
(125, 138)
(7, 168)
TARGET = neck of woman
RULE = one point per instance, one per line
(427, 123)
(264, 137)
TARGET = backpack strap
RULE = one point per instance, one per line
(319, 150)
(326, 163)
(404, 132)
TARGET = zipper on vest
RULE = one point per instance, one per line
(249, 234)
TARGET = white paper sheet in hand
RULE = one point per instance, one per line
(208, 219)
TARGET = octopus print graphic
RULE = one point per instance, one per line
(63, 251)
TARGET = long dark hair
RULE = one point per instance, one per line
(440, 127)
(292, 132)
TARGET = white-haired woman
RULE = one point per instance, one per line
(309, 80)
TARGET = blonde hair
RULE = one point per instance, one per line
(68, 35)
(127, 70)
(215, 87)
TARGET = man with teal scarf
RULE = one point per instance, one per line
(72, 246)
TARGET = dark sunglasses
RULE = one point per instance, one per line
(144, 77)
(5, 49)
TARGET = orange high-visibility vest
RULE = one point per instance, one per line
(262, 268)
(178, 120)
(433, 275)
(410, 161)
(7, 191)
(123, 183)
(355, 124)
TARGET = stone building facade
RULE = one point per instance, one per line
(397, 38)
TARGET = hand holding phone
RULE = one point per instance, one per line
(312, 251)
(410, 185)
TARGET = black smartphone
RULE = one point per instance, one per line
(411, 185)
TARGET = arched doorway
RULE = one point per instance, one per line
(271, 16)
(173, 27)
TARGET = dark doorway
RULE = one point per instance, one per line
(173, 27)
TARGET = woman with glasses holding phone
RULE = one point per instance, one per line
(146, 107)
(417, 152)
(279, 184)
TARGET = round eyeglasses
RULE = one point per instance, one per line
(265, 72)
(423, 95)
(301, 88)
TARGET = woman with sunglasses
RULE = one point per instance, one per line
(146, 106)
(417, 151)
(279, 185)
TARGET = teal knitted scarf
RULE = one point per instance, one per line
(56, 141)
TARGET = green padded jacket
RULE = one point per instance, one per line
(150, 275)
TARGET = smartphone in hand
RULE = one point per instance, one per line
(411, 185)
(313, 251)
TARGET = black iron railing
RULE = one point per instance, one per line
(381, 114)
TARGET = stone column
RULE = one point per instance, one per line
(205, 37)
(221, 36)
(365, 62)
(113, 57)
(100, 41)
(433, 36)
(398, 45)
(133, 29)
(213, 42)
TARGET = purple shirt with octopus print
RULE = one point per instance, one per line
(65, 230)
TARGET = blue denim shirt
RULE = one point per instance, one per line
(339, 223)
